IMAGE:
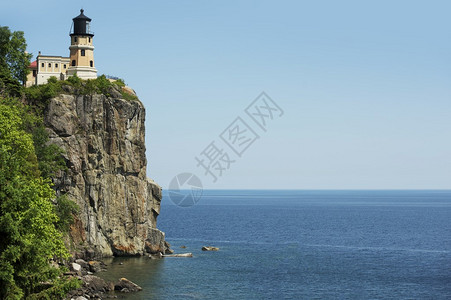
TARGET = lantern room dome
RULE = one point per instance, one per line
(81, 25)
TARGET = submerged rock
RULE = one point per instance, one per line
(209, 248)
(156, 256)
(179, 255)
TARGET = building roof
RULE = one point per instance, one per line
(52, 56)
(33, 65)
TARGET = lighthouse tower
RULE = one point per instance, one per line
(81, 49)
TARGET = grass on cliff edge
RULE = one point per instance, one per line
(41, 94)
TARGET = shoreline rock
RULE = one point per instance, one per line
(95, 287)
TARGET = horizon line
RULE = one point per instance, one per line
(291, 189)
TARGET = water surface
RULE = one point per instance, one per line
(301, 245)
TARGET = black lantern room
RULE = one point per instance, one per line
(81, 25)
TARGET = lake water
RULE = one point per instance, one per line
(301, 245)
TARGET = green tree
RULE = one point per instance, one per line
(65, 210)
(13, 55)
(8, 85)
(28, 237)
(49, 156)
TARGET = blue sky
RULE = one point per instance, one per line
(365, 87)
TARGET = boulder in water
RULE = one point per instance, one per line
(126, 286)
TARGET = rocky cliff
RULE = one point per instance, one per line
(103, 140)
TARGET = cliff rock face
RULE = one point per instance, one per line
(103, 140)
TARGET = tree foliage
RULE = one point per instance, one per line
(31, 224)
(28, 236)
(9, 87)
(50, 156)
(65, 209)
(13, 55)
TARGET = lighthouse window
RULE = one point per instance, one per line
(91, 64)
(83, 52)
(73, 63)
(89, 39)
(64, 66)
(50, 65)
(75, 39)
(56, 65)
(42, 65)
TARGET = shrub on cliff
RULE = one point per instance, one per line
(102, 85)
(39, 95)
(74, 80)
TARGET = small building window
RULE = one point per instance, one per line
(50, 65)
(89, 40)
(91, 63)
(42, 65)
(82, 52)
(75, 39)
(73, 63)
(56, 65)
(34, 73)
(64, 66)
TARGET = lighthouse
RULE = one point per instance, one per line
(81, 48)
(80, 61)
